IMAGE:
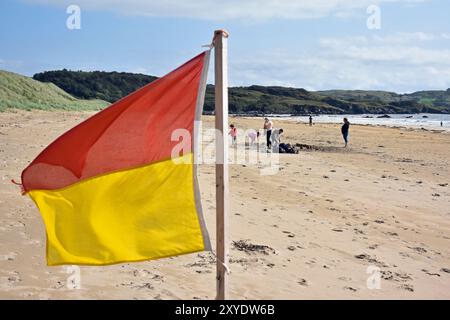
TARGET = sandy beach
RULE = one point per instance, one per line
(309, 232)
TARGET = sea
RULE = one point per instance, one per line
(422, 120)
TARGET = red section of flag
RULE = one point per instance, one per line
(133, 131)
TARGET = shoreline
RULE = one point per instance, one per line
(295, 119)
(406, 128)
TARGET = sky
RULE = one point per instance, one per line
(394, 45)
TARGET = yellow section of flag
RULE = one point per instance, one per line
(142, 213)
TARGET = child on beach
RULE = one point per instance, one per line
(233, 134)
(253, 135)
(344, 130)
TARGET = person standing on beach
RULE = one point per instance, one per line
(344, 129)
(233, 134)
(268, 125)
(310, 121)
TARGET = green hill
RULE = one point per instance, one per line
(20, 92)
(423, 101)
(276, 100)
(111, 86)
(282, 100)
(108, 86)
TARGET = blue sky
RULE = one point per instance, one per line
(314, 44)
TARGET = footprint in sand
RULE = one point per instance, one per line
(431, 273)
(407, 287)
(289, 234)
(418, 249)
(350, 289)
(303, 282)
(17, 224)
(8, 257)
(141, 273)
(203, 271)
(395, 276)
(125, 284)
(145, 285)
(371, 259)
(59, 285)
(11, 280)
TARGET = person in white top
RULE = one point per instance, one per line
(268, 125)
(275, 137)
(254, 136)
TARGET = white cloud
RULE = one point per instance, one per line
(376, 63)
(229, 9)
(391, 39)
(402, 47)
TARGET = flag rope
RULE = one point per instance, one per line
(227, 268)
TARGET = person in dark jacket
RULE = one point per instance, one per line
(268, 126)
(344, 129)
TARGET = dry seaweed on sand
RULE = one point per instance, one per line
(247, 247)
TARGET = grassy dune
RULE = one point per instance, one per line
(20, 92)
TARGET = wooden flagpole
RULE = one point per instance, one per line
(221, 119)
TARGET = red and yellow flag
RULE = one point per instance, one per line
(108, 189)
